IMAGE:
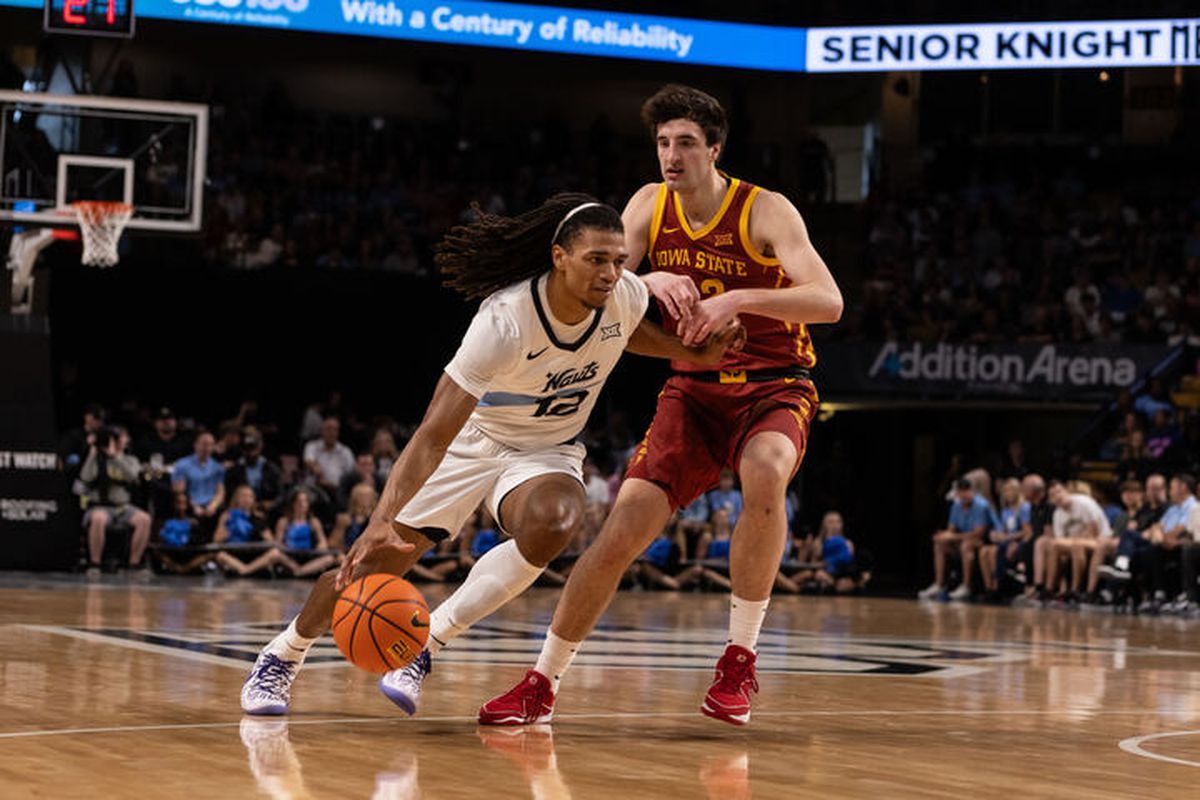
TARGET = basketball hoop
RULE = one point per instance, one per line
(101, 223)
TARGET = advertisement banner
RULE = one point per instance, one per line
(1019, 45)
(38, 529)
(965, 371)
(510, 25)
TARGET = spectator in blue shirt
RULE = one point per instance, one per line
(201, 478)
(726, 497)
(971, 517)
(1005, 539)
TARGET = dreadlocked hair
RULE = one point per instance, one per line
(494, 251)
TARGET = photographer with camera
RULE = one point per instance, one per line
(109, 475)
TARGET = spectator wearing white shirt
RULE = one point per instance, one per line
(595, 485)
(327, 459)
(1079, 526)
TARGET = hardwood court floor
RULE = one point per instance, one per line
(119, 690)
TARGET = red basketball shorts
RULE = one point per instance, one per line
(701, 428)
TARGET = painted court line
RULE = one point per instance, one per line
(622, 715)
(1133, 746)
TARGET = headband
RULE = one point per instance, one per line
(571, 213)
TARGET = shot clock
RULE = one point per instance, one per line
(89, 17)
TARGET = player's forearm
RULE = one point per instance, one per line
(810, 304)
(649, 339)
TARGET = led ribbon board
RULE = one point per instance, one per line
(572, 31)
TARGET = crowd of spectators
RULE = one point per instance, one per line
(254, 501)
(1070, 543)
(1027, 249)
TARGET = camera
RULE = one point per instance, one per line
(105, 436)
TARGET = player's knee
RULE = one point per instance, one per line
(765, 472)
(554, 517)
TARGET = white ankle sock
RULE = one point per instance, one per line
(499, 576)
(745, 621)
(557, 654)
(290, 645)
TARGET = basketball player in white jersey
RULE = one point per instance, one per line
(502, 425)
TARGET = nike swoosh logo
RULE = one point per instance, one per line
(416, 620)
(532, 356)
(669, 230)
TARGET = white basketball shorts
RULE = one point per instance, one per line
(478, 469)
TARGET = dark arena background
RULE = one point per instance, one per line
(1008, 196)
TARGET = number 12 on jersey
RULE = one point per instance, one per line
(561, 405)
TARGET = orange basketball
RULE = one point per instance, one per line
(380, 623)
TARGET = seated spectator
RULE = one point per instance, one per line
(1136, 461)
(253, 469)
(202, 479)
(694, 523)
(1170, 535)
(302, 536)
(969, 521)
(595, 485)
(327, 459)
(1154, 400)
(841, 571)
(1079, 526)
(165, 445)
(179, 532)
(158, 453)
(109, 476)
(1162, 434)
(726, 497)
(383, 448)
(1025, 564)
(716, 550)
(659, 566)
(1014, 527)
(351, 523)
(228, 447)
(240, 525)
(363, 472)
(76, 444)
(1131, 533)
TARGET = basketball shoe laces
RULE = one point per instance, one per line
(275, 675)
(735, 677)
(533, 700)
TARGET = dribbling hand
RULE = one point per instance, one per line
(378, 535)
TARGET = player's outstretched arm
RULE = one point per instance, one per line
(814, 297)
(649, 339)
(447, 413)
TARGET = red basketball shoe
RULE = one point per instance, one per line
(728, 699)
(530, 702)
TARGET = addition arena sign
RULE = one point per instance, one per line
(1031, 371)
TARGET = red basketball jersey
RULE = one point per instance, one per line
(720, 257)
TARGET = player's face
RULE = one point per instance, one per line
(592, 266)
(684, 158)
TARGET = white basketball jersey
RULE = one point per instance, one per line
(537, 379)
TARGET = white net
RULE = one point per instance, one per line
(101, 224)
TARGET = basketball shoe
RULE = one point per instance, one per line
(268, 689)
(530, 702)
(403, 686)
(728, 698)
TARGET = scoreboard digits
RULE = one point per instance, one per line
(89, 17)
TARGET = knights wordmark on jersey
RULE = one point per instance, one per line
(516, 643)
(536, 378)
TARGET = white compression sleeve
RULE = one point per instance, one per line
(499, 576)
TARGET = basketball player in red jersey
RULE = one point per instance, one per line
(719, 248)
